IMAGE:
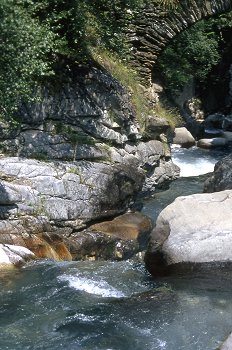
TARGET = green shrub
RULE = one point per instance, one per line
(193, 53)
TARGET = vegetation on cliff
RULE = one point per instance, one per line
(195, 52)
(41, 38)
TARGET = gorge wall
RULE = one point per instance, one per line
(77, 156)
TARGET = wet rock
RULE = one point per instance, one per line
(212, 143)
(193, 229)
(93, 245)
(117, 239)
(129, 226)
(183, 137)
(221, 178)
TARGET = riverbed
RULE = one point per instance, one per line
(117, 305)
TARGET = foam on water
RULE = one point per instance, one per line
(97, 287)
(195, 161)
(197, 168)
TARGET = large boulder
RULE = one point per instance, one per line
(221, 179)
(155, 159)
(193, 229)
(183, 138)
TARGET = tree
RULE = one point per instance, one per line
(25, 46)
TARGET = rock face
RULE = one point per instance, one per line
(183, 138)
(221, 178)
(77, 158)
(67, 191)
(69, 120)
(193, 229)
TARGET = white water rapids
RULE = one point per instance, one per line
(195, 161)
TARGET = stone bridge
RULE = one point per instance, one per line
(154, 27)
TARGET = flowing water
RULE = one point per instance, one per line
(116, 305)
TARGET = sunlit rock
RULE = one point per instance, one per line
(193, 229)
(12, 255)
(183, 137)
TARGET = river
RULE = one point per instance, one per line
(50, 305)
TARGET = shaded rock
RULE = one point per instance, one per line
(149, 153)
(227, 135)
(160, 177)
(155, 126)
(13, 255)
(43, 145)
(227, 123)
(183, 137)
(89, 245)
(214, 121)
(193, 229)
(221, 178)
(212, 143)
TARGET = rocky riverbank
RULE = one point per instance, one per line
(76, 157)
(195, 229)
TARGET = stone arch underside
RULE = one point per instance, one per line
(154, 28)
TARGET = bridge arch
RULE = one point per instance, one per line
(154, 28)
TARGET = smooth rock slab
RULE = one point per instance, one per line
(227, 345)
(195, 229)
(212, 143)
(11, 255)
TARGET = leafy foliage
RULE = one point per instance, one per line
(37, 36)
(194, 53)
(24, 44)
